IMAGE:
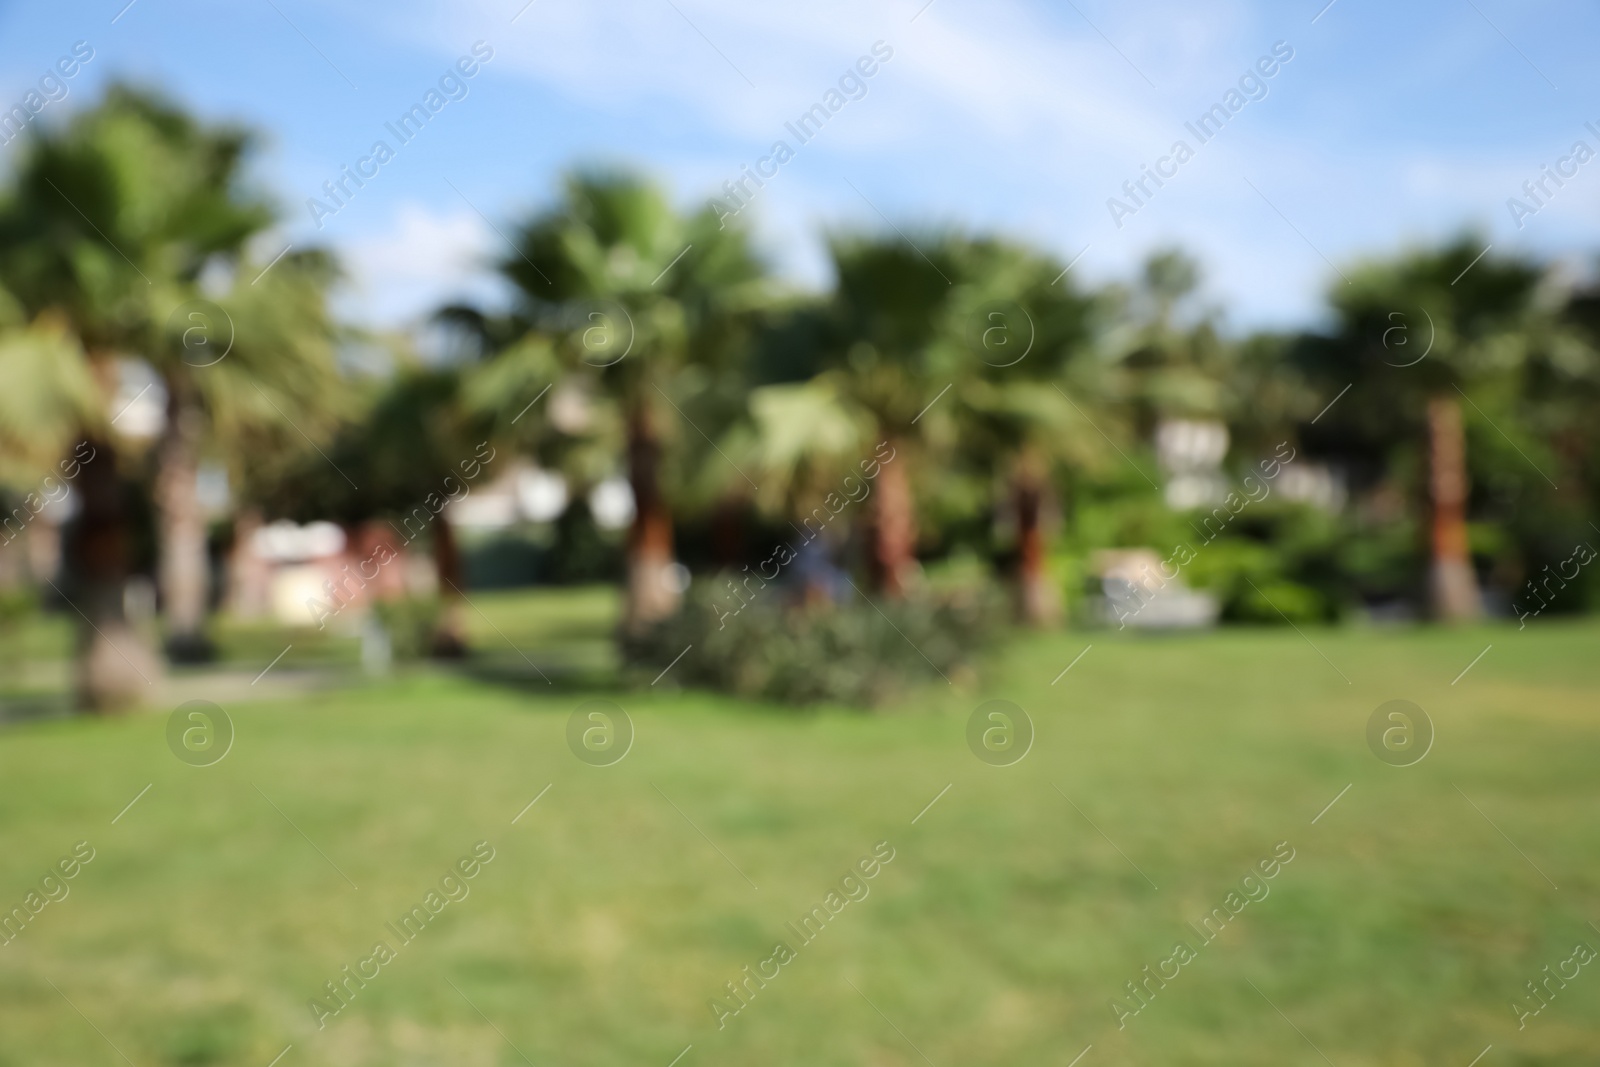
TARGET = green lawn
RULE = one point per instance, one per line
(621, 903)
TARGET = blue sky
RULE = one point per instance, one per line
(1391, 124)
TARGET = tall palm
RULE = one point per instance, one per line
(1173, 362)
(648, 310)
(1030, 334)
(279, 375)
(64, 253)
(1415, 337)
(985, 320)
(893, 347)
(119, 222)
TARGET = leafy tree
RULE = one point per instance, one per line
(890, 350)
(1430, 343)
(60, 261)
(1171, 357)
(640, 309)
(991, 323)
(120, 223)
(277, 379)
(1022, 401)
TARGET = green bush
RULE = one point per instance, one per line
(410, 623)
(1277, 563)
(846, 653)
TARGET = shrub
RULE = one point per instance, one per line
(845, 653)
(410, 623)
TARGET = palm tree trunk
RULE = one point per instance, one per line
(112, 667)
(185, 563)
(652, 595)
(727, 530)
(893, 561)
(1038, 604)
(449, 634)
(1453, 587)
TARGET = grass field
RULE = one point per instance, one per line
(1015, 907)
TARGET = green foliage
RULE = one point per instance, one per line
(647, 339)
(584, 552)
(49, 395)
(843, 654)
(573, 550)
(17, 605)
(1277, 563)
(642, 313)
(410, 623)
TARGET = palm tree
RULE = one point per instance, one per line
(891, 346)
(995, 326)
(120, 223)
(1173, 362)
(641, 307)
(278, 373)
(64, 254)
(1029, 332)
(1416, 337)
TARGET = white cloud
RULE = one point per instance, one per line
(404, 270)
(996, 75)
(1019, 117)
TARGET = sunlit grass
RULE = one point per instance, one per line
(999, 934)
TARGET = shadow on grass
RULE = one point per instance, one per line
(543, 680)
